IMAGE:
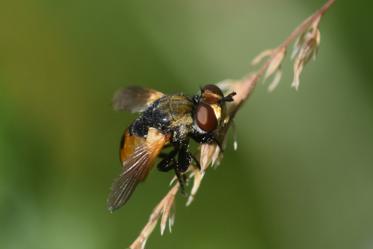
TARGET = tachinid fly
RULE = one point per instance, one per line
(164, 121)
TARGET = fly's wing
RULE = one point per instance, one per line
(134, 98)
(138, 155)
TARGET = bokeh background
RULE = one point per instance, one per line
(303, 173)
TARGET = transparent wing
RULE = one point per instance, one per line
(134, 98)
(135, 170)
(138, 155)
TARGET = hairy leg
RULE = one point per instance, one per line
(208, 138)
(168, 162)
(181, 179)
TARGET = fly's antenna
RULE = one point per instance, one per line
(229, 97)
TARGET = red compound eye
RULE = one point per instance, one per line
(205, 117)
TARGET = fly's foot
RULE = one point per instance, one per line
(168, 162)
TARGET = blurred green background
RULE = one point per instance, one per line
(302, 177)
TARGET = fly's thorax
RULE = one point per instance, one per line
(179, 109)
(168, 114)
(181, 112)
(181, 133)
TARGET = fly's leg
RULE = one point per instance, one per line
(218, 143)
(179, 164)
(168, 162)
(181, 179)
(208, 138)
(184, 159)
(198, 165)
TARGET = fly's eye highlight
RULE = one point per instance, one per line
(206, 118)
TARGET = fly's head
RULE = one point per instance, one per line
(210, 109)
